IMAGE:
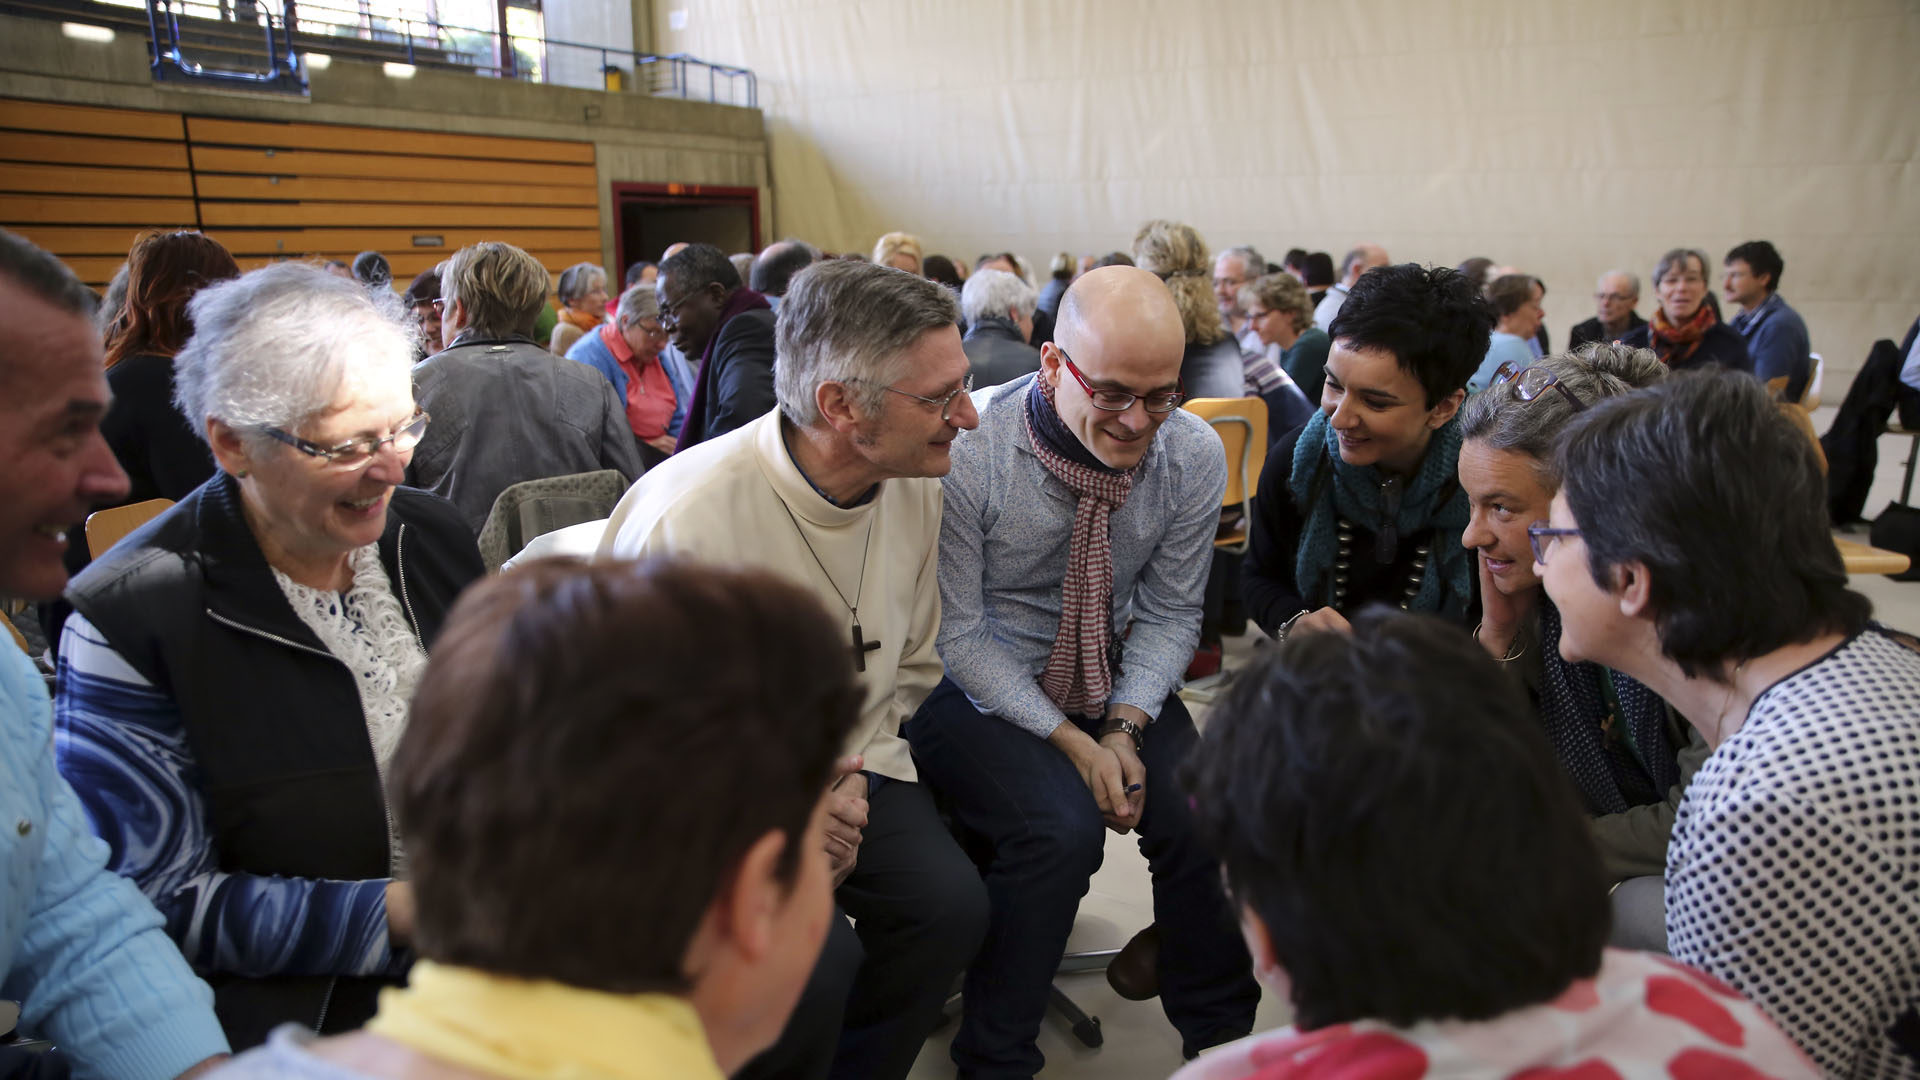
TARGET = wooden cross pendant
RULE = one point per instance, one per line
(861, 647)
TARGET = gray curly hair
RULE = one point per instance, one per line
(1501, 421)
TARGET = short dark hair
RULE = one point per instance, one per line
(635, 272)
(43, 275)
(1113, 258)
(1509, 293)
(1761, 258)
(592, 750)
(698, 265)
(1319, 270)
(941, 269)
(1703, 480)
(1430, 318)
(1295, 259)
(775, 267)
(1385, 802)
(1476, 269)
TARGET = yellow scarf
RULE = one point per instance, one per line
(526, 1030)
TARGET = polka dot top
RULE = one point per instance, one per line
(1794, 864)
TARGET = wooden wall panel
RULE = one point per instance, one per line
(86, 210)
(391, 214)
(88, 120)
(393, 168)
(87, 150)
(322, 189)
(207, 131)
(396, 241)
(86, 180)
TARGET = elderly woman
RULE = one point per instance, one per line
(1516, 301)
(651, 379)
(899, 250)
(537, 868)
(1177, 255)
(1278, 311)
(1413, 877)
(1362, 505)
(1688, 548)
(1628, 755)
(1686, 332)
(237, 672)
(583, 305)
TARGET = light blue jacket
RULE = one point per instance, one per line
(80, 948)
(593, 352)
(1003, 556)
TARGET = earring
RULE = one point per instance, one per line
(242, 474)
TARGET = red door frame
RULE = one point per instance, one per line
(680, 195)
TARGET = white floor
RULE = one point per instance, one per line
(1140, 1044)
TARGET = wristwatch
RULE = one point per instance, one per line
(1125, 726)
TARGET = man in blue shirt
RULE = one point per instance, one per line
(1775, 334)
(80, 948)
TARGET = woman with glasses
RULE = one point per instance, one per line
(1688, 547)
(1686, 331)
(582, 291)
(1626, 752)
(1362, 505)
(651, 380)
(238, 671)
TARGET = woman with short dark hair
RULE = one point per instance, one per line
(613, 795)
(582, 292)
(1362, 504)
(1516, 303)
(1414, 876)
(1686, 331)
(1688, 547)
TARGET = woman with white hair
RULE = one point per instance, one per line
(653, 382)
(238, 671)
(583, 305)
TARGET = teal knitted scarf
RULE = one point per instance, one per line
(1354, 494)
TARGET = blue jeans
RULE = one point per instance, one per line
(1023, 799)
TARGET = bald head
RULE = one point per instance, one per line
(673, 249)
(1124, 307)
(1361, 259)
(1121, 332)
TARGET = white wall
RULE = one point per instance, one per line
(1562, 136)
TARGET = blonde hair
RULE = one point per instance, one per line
(1180, 257)
(1280, 292)
(893, 244)
(501, 287)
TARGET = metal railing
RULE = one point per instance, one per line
(264, 44)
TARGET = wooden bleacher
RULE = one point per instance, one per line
(82, 182)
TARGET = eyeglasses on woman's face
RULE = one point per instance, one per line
(1109, 400)
(356, 454)
(1541, 536)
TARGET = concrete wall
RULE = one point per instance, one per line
(637, 139)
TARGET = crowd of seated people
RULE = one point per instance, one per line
(1571, 747)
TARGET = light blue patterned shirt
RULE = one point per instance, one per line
(123, 746)
(80, 948)
(1003, 556)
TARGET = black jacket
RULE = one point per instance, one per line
(739, 389)
(997, 353)
(273, 719)
(1591, 330)
(1721, 345)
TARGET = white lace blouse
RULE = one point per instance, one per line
(367, 629)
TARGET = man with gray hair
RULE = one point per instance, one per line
(998, 308)
(1614, 298)
(1358, 261)
(84, 953)
(838, 490)
(1233, 270)
(505, 409)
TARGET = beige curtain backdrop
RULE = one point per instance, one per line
(1564, 137)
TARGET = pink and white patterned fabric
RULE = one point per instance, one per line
(1642, 1017)
(1076, 677)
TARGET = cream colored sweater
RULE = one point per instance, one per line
(727, 501)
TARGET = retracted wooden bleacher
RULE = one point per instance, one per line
(84, 181)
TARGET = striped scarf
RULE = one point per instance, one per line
(1674, 344)
(1077, 677)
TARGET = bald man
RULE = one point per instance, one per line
(1361, 259)
(1044, 729)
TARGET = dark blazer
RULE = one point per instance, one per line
(739, 388)
(1719, 345)
(1591, 330)
(997, 353)
(154, 443)
(273, 719)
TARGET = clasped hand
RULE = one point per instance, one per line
(846, 817)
